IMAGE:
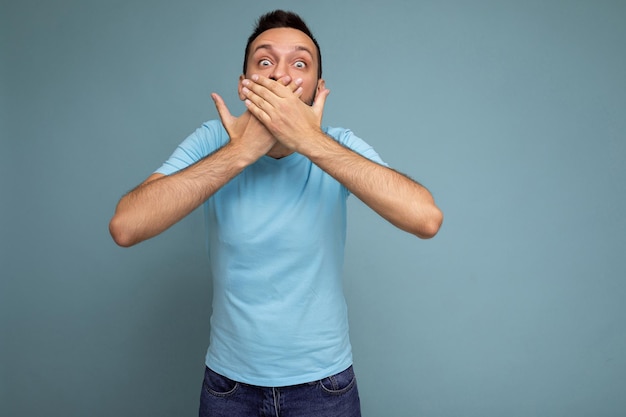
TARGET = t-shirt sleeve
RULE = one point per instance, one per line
(204, 141)
(348, 139)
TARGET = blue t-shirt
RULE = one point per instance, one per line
(276, 235)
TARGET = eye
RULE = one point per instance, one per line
(265, 63)
(300, 64)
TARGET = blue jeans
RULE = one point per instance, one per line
(335, 396)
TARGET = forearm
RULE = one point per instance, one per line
(296, 125)
(162, 201)
(400, 200)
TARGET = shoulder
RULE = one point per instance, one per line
(340, 134)
(210, 136)
(206, 139)
(344, 136)
(347, 138)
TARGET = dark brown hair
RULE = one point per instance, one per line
(281, 19)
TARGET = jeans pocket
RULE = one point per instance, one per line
(218, 385)
(339, 383)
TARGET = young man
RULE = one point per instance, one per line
(275, 185)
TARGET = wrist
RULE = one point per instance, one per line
(240, 156)
(315, 145)
(311, 142)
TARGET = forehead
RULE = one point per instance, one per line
(284, 39)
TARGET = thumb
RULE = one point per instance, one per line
(320, 100)
(222, 110)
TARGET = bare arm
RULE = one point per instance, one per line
(161, 201)
(402, 201)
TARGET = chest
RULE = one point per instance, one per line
(267, 202)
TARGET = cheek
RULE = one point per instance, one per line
(308, 95)
(309, 85)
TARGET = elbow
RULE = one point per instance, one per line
(119, 233)
(430, 226)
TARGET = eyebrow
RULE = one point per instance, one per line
(296, 48)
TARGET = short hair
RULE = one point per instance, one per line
(281, 19)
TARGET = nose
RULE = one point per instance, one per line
(279, 71)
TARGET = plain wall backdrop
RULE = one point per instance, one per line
(513, 113)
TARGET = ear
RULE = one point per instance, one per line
(321, 86)
(240, 86)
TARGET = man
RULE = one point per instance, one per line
(275, 185)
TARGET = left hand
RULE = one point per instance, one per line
(290, 120)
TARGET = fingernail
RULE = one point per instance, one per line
(245, 82)
(255, 77)
(299, 81)
(245, 90)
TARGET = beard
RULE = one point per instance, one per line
(310, 100)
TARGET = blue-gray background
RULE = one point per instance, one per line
(512, 113)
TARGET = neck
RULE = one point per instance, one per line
(279, 151)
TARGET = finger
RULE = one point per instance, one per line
(294, 85)
(265, 90)
(256, 95)
(257, 111)
(297, 85)
(285, 80)
(254, 92)
(222, 110)
(272, 86)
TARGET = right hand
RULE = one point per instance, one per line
(246, 131)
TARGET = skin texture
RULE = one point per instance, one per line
(285, 103)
